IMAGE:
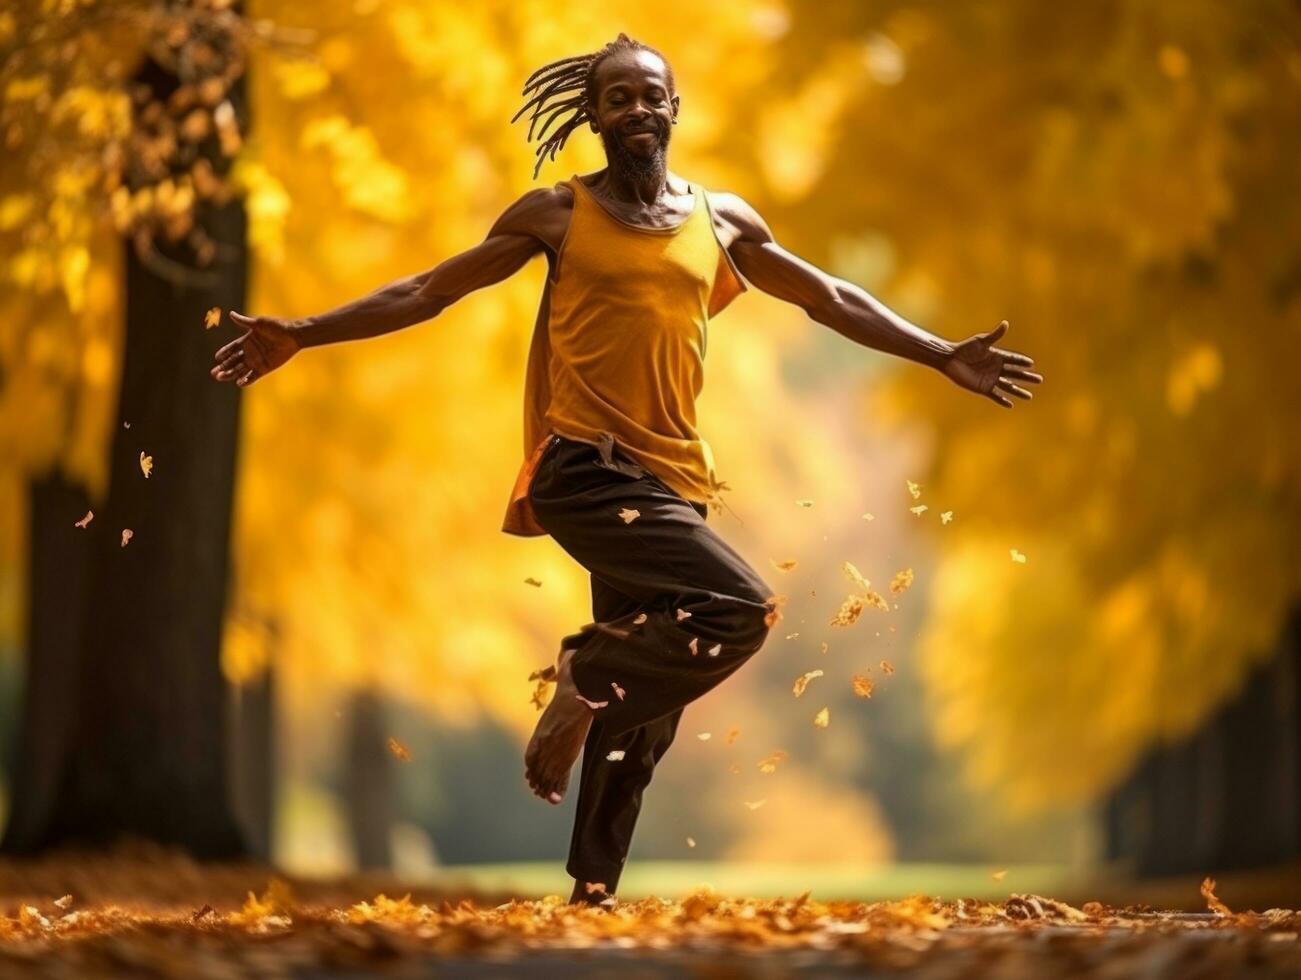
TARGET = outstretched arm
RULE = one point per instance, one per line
(270, 341)
(852, 312)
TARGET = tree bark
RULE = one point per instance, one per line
(369, 781)
(57, 573)
(146, 743)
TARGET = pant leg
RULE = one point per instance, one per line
(705, 607)
(610, 793)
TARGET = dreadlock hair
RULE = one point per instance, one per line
(553, 89)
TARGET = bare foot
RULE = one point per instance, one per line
(558, 737)
(591, 893)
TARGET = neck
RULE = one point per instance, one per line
(644, 188)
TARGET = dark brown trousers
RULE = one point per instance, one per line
(702, 612)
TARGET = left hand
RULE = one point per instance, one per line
(978, 365)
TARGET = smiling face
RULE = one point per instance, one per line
(633, 107)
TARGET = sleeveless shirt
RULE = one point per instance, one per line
(619, 344)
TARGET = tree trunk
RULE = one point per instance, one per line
(253, 754)
(146, 748)
(57, 573)
(369, 781)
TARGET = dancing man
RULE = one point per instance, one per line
(614, 469)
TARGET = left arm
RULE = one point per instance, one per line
(974, 363)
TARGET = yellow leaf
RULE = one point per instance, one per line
(783, 566)
(398, 749)
(629, 515)
(127, 534)
(1017, 556)
(1213, 903)
(146, 464)
(902, 580)
(915, 489)
(212, 318)
(803, 681)
(822, 719)
(862, 686)
(85, 520)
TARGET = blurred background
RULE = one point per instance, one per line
(315, 645)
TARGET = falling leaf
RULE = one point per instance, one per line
(756, 804)
(862, 686)
(734, 769)
(855, 576)
(1017, 556)
(822, 719)
(887, 666)
(212, 318)
(547, 673)
(629, 515)
(919, 510)
(803, 681)
(774, 604)
(681, 614)
(641, 618)
(692, 645)
(540, 698)
(64, 902)
(594, 887)
(791, 636)
(85, 520)
(532, 581)
(946, 516)
(785, 565)
(618, 691)
(398, 749)
(915, 489)
(705, 736)
(770, 764)
(126, 535)
(999, 875)
(849, 611)
(900, 583)
(1213, 903)
(804, 503)
(715, 650)
(691, 842)
(732, 735)
(869, 517)
(823, 647)
(126, 425)
(615, 755)
(146, 464)
(594, 705)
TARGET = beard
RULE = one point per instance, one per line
(633, 166)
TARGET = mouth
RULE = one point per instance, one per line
(647, 134)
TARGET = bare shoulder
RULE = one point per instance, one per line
(542, 213)
(737, 220)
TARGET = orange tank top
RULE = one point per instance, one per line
(619, 345)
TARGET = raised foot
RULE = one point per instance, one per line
(558, 738)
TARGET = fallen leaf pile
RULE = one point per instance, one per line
(273, 934)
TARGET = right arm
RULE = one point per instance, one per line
(270, 341)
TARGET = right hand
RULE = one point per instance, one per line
(269, 342)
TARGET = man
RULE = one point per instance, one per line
(614, 469)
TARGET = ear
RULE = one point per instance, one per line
(676, 102)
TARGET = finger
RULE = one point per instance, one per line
(226, 363)
(1012, 357)
(1021, 374)
(247, 379)
(247, 321)
(1014, 389)
(226, 350)
(1000, 399)
(235, 365)
(993, 335)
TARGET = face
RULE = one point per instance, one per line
(634, 112)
